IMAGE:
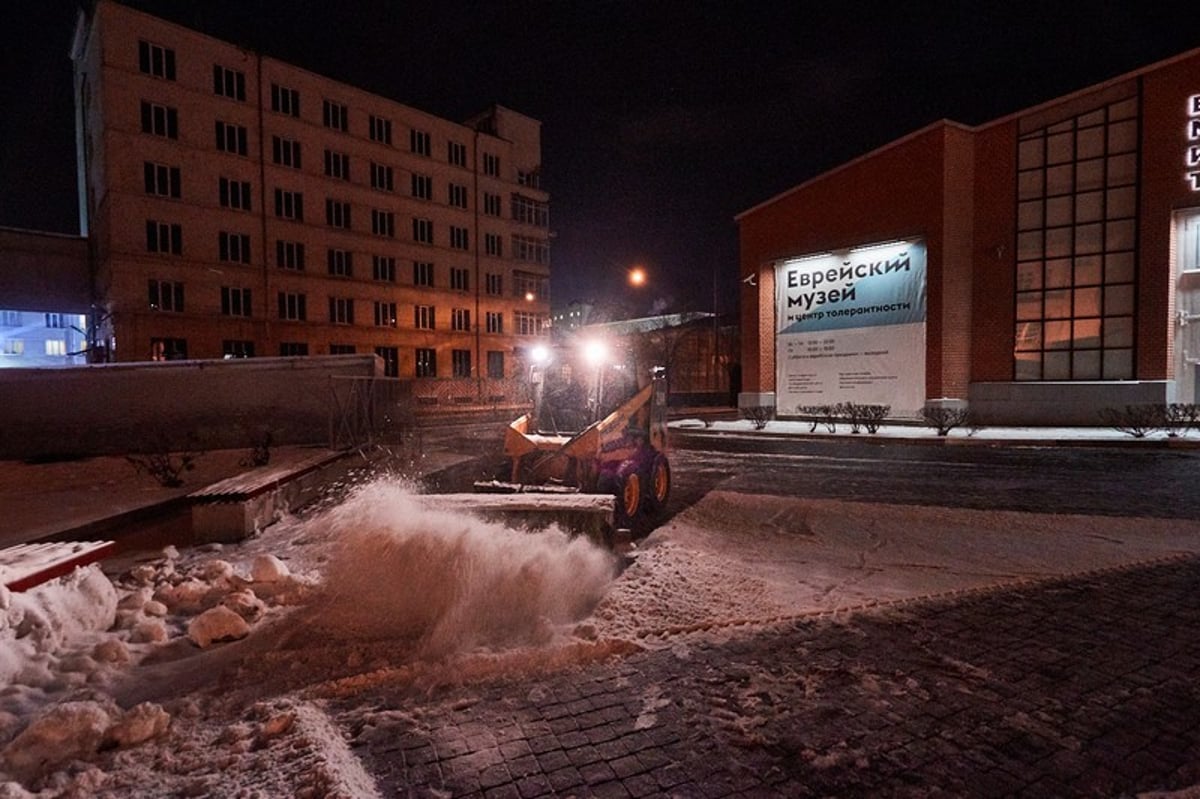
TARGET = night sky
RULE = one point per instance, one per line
(661, 119)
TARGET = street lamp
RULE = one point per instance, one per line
(637, 277)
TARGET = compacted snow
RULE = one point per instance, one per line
(204, 672)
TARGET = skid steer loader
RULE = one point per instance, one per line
(573, 444)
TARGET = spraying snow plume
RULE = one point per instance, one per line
(449, 582)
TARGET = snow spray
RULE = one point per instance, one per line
(448, 581)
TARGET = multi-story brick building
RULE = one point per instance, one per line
(237, 205)
(1043, 267)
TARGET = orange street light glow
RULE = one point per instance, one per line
(637, 276)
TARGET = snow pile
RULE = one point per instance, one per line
(450, 582)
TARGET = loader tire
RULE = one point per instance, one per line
(659, 483)
(629, 492)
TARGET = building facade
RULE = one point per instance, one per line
(236, 205)
(1041, 267)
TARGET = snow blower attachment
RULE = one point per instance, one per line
(598, 480)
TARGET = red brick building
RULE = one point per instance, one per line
(1041, 267)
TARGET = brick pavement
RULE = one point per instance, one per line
(1078, 687)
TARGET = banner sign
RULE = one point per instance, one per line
(850, 327)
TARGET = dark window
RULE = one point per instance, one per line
(234, 194)
(337, 213)
(423, 231)
(418, 142)
(160, 120)
(383, 223)
(289, 205)
(235, 301)
(293, 349)
(337, 165)
(341, 310)
(381, 129)
(162, 180)
(460, 319)
(284, 100)
(166, 296)
(456, 153)
(495, 365)
(383, 267)
(231, 138)
(237, 349)
(460, 279)
(156, 60)
(342, 349)
(229, 83)
(285, 152)
(292, 306)
(289, 255)
(233, 247)
(382, 177)
(164, 237)
(422, 273)
(391, 360)
(385, 314)
(461, 361)
(341, 262)
(335, 115)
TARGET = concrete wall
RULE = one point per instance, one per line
(116, 408)
(44, 272)
(1061, 403)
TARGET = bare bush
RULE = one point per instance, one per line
(863, 415)
(1135, 420)
(820, 414)
(758, 415)
(944, 419)
(1180, 418)
(164, 464)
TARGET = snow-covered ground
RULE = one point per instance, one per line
(921, 432)
(204, 672)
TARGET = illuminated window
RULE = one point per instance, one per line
(426, 362)
(1077, 188)
(391, 360)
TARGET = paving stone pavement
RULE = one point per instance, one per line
(1085, 686)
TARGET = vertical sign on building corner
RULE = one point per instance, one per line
(1192, 158)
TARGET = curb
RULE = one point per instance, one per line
(957, 441)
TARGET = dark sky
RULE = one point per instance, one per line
(661, 118)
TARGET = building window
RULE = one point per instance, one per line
(382, 177)
(285, 152)
(383, 267)
(383, 223)
(426, 362)
(341, 310)
(456, 153)
(491, 165)
(530, 249)
(13, 346)
(459, 238)
(341, 263)
(292, 307)
(156, 60)
(162, 180)
(495, 322)
(460, 279)
(494, 284)
(289, 205)
(391, 360)
(293, 349)
(491, 204)
(422, 273)
(160, 120)
(337, 165)
(422, 186)
(229, 83)
(237, 349)
(285, 100)
(337, 213)
(418, 142)
(385, 314)
(531, 179)
(528, 324)
(530, 211)
(495, 365)
(460, 319)
(168, 349)
(342, 349)
(234, 194)
(55, 320)
(10, 318)
(335, 116)
(461, 362)
(56, 347)
(1077, 189)
(231, 138)
(235, 301)
(233, 247)
(380, 129)
(165, 295)
(164, 237)
(422, 231)
(423, 317)
(458, 195)
(289, 255)
(531, 287)
(493, 244)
